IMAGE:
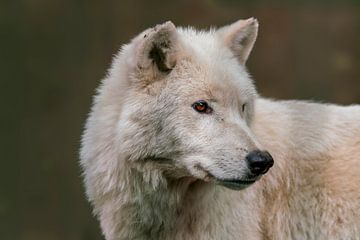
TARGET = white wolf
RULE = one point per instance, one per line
(177, 126)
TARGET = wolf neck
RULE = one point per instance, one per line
(154, 210)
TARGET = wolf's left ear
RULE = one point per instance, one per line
(240, 37)
(156, 50)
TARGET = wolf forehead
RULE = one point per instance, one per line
(202, 59)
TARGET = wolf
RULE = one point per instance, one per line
(179, 145)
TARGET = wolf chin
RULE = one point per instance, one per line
(179, 145)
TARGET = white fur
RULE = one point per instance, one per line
(150, 160)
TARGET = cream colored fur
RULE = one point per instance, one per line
(151, 162)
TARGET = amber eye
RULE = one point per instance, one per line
(201, 106)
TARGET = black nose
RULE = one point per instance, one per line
(259, 162)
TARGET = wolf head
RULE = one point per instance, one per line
(182, 101)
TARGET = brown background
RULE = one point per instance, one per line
(54, 52)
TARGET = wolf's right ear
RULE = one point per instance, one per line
(240, 37)
(156, 50)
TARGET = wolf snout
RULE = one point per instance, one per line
(259, 162)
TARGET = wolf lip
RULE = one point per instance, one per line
(236, 184)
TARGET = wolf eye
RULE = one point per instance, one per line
(201, 106)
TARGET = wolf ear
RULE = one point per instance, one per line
(240, 37)
(156, 49)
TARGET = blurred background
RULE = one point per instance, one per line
(53, 54)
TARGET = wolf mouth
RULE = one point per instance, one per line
(236, 184)
(232, 183)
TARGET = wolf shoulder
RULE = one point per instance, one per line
(309, 115)
(307, 130)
